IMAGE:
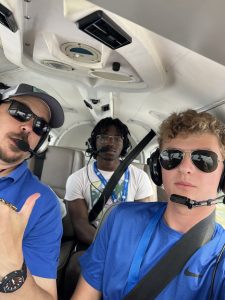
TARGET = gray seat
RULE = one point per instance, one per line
(58, 164)
(105, 216)
(145, 168)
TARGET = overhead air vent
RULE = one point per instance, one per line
(56, 65)
(81, 52)
(7, 19)
(101, 27)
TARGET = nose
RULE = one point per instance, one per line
(110, 140)
(27, 127)
(186, 165)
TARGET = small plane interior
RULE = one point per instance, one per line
(68, 160)
(137, 61)
(174, 61)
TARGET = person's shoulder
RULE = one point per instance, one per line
(219, 231)
(216, 246)
(49, 194)
(131, 213)
(137, 171)
(139, 208)
(34, 181)
(35, 185)
(217, 242)
(47, 204)
(135, 168)
(141, 205)
(78, 173)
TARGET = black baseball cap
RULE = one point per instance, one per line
(57, 114)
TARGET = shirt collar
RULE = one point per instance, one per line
(18, 171)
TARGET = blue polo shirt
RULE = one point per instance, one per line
(106, 264)
(41, 241)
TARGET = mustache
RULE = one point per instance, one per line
(18, 136)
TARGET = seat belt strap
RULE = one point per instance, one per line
(97, 208)
(171, 264)
(38, 164)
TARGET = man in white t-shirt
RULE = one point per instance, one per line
(108, 143)
(79, 187)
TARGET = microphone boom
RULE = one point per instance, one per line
(193, 203)
(24, 146)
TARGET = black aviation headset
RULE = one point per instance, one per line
(156, 173)
(101, 128)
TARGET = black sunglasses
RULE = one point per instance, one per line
(204, 160)
(22, 113)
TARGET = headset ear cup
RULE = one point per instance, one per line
(221, 186)
(89, 147)
(44, 145)
(155, 168)
(128, 148)
(125, 151)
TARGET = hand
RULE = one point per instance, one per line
(12, 227)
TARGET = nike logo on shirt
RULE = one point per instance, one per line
(189, 273)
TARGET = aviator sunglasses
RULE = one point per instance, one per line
(204, 160)
(22, 113)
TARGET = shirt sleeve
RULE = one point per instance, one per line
(145, 188)
(74, 186)
(41, 243)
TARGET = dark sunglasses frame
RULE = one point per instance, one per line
(22, 113)
(204, 160)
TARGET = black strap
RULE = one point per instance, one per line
(38, 164)
(173, 262)
(97, 208)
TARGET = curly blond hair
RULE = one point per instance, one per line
(191, 122)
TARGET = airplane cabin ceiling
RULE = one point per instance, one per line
(196, 24)
(175, 61)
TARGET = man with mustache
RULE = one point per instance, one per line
(30, 220)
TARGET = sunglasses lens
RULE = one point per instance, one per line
(205, 160)
(40, 127)
(170, 159)
(19, 111)
(22, 113)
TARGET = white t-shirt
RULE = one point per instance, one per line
(78, 185)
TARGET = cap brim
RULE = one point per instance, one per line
(57, 113)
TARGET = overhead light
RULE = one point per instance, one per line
(56, 65)
(7, 19)
(101, 27)
(120, 77)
